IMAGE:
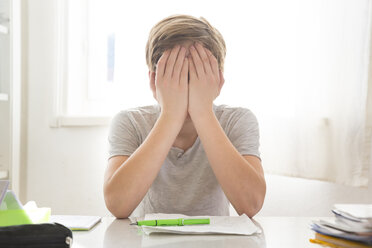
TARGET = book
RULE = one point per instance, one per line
(76, 222)
(351, 227)
(329, 231)
(338, 242)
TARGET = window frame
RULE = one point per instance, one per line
(59, 115)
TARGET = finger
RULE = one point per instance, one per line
(204, 57)
(213, 61)
(192, 70)
(160, 67)
(171, 60)
(184, 72)
(179, 62)
(198, 64)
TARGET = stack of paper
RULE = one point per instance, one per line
(241, 225)
(352, 227)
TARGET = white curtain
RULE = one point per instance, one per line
(305, 76)
(315, 110)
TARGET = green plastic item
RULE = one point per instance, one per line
(14, 217)
(13, 213)
(173, 222)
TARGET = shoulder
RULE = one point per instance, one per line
(137, 113)
(235, 120)
(233, 113)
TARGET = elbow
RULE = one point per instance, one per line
(252, 209)
(116, 209)
(251, 212)
(254, 205)
(119, 215)
(114, 206)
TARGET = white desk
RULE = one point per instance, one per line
(277, 232)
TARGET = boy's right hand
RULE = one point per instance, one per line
(171, 82)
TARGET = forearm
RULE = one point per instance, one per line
(131, 181)
(243, 185)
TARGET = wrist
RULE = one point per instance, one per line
(201, 111)
(172, 118)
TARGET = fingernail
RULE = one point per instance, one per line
(192, 47)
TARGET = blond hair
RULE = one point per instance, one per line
(177, 29)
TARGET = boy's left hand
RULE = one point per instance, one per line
(205, 80)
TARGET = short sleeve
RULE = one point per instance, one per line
(245, 134)
(122, 138)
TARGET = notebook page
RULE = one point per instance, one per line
(241, 225)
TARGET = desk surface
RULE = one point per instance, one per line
(277, 232)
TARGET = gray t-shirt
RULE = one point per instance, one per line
(186, 183)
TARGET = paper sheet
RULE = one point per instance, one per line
(207, 240)
(362, 211)
(241, 225)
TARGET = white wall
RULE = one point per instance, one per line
(64, 166)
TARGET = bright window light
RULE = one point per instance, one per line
(301, 66)
(107, 68)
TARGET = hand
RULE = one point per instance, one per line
(206, 80)
(171, 81)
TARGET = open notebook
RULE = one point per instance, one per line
(241, 225)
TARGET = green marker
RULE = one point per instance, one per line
(172, 222)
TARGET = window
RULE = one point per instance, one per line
(300, 66)
(106, 50)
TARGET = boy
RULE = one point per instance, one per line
(184, 155)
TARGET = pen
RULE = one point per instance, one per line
(172, 222)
